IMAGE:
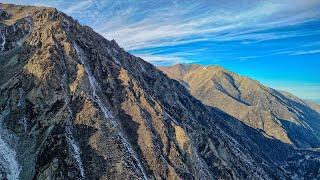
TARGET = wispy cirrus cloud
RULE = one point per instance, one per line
(294, 52)
(170, 25)
(164, 59)
(315, 51)
(79, 6)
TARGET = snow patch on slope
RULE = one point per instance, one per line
(73, 146)
(8, 157)
(106, 112)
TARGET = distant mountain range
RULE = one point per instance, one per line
(74, 105)
(278, 114)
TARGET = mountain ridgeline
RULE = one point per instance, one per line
(278, 114)
(74, 105)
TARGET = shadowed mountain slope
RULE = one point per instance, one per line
(76, 106)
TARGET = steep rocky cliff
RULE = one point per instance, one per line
(278, 114)
(76, 106)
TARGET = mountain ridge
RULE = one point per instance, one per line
(236, 95)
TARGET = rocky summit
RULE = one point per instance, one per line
(74, 105)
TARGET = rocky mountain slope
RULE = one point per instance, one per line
(278, 114)
(74, 105)
(313, 105)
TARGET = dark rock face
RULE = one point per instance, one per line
(77, 106)
(4, 15)
(13, 35)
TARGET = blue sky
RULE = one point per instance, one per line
(274, 41)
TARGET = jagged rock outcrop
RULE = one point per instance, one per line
(76, 106)
(278, 114)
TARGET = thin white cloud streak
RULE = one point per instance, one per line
(159, 57)
(315, 51)
(254, 37)
(79, 6)
(243, 58)
(163, 59)
(293, 52)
